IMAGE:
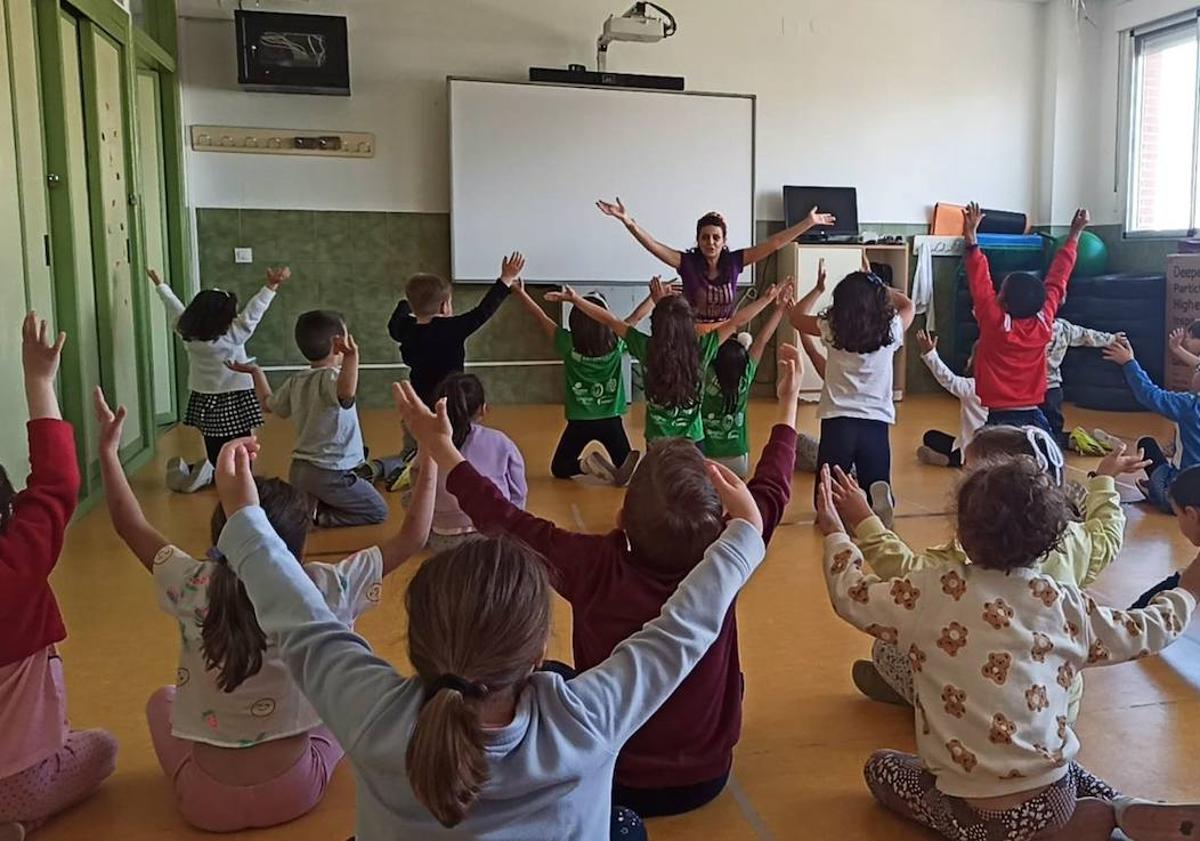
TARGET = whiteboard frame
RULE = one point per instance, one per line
(479, 79)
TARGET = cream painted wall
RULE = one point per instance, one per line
(913, 101)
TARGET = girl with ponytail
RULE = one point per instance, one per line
(479, 740)
(241, 745)
(492, 453)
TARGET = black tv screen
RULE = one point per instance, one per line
(842, 202)
(286, 53)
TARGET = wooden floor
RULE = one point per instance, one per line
(806, 734)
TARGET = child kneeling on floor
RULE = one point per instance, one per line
(995, 645)
(321, 401)
(477, 740)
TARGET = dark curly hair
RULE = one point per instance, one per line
(589, 337)
(673, 375)
(861, 315)
(208, 316)
(729, 367)
(1011, 514)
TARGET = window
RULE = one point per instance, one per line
(1163, 189)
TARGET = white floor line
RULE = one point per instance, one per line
(579, 524)
(748, 811)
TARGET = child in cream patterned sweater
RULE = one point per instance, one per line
(995, 646)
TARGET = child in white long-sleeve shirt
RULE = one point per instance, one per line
(477, 740)
(1065, 336)
(222, 404)
(995, 645)
(937, 447)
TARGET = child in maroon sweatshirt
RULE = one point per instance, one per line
(1015, 326)
(44, 766)
(619, 581)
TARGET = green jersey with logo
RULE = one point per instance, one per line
(674, 421)
(595, 386)
(725, 433)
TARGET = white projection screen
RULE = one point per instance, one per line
(528, 162)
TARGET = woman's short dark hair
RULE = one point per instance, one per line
(589, 337)
(1011, 514)
(232, 641)
(711, 219)
(208, 316)
(861, 314)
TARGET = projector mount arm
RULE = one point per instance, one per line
(634, 26)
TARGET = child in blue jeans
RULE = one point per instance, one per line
(1181, 407)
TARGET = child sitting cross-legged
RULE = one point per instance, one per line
(477, 743)
(995, 645)
(681, 757)
(1085, 550)
(240, 744)
(329, 443)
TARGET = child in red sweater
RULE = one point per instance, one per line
(617, 582)
(44, 766)
(1015, 325)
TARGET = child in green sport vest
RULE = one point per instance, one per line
(594, 388)
(727, 390)
(674, 358)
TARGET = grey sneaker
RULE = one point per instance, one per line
(624, 473)
(806, 453)
(198, 477)
(599, 467)
(928, 455)
(870, 682)
(883, 503)
(177, 474)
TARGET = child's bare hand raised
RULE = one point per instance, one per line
(235, 478)
(660, 289)
(850, 500)
(791, 370)
(154, 278)
(1116, 462)
(277, 277)
(38, 357)
(432, 430)
(1080, 222)
(111, 424)
(345, 345)
(818, 219)
(828, 519)
(511, 268)
(736, 498)
(1120, 351)
(787, 295)
(972, 217)
(566, 295)
(822, 275)
(926, 341)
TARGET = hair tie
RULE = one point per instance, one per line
(1046, 452)
(745, 340)
(466, 688)
(214, 555)
(875, 279)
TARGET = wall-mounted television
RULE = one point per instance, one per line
(287, 53)
(842, 202)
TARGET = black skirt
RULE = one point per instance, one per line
(226, 415)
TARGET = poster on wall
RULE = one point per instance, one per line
(1183, 307)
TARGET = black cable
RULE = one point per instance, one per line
(671, 26)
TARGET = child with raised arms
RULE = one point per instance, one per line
(937, 447)
(241, 746)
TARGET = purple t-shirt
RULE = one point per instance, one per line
(711, 300)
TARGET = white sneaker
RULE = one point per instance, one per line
(883, 503)
(199, 477)
(599, 467)
(177, 473)
(1106, 438)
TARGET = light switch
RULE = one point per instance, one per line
(243, 255)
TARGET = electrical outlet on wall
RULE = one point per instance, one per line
(243, 255)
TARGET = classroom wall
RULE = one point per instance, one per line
(874, 93)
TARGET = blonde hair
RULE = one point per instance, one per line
(478, 623)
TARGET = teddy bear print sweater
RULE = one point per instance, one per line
(994, 656)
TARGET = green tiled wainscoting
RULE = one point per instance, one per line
(357, 264)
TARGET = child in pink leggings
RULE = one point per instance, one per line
(235, 735)
(44, 766)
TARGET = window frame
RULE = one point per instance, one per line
(1138, 38)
